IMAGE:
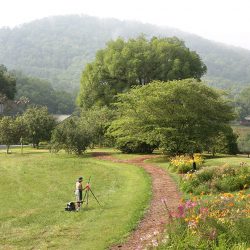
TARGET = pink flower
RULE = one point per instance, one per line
(181, 210)
(190, 204)
(203, 210)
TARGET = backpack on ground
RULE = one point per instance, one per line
(70, 206)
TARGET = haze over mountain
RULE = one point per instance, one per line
(57, 48)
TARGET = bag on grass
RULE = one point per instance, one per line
(70, 206)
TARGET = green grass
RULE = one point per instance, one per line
(218, 160)
(36, 186)
(233, 161)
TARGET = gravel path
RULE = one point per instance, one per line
(150, 229)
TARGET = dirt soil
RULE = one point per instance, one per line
(150, 230)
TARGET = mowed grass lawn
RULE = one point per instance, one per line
(36, 186)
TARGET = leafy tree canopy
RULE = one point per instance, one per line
(72, 136)
(8, 131)
(39, 124)
(178, 116)
(123, 64)
(243, 103)
(7, 83)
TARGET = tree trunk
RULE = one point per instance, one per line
(213, 152)
(8, 147)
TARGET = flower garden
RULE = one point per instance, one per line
(215, 211)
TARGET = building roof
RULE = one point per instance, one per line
(60, 118)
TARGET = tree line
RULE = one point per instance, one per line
(16, 86)
(139, 95)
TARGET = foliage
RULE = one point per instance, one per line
(8, 131)
(39, 124)
(178, 116)
(77, 133)
(243, 103)
(217, 179)
(131, 145)
(225, 143)
(244, 144)
(215, 223)
(122, 65)
(38, 50)
(7, 83)
(72, 136)
(184, 163)
(40, 92)
(97, 120)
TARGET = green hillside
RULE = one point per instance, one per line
(57, 48)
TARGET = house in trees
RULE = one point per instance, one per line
(245, 121)
(1, 108)
(61, 118)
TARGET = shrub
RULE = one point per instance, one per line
(220, 179)
(70, 136)
(205, 176)
(135, 146)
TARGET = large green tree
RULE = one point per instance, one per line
(178, 116)
(7, 83)
(8, 131)
(39, 124)
(123, 64)
(244, 145)
(97, 120)
(72, 136)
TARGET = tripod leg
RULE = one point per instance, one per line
(87, 197)
(94, 197)
(84, 196)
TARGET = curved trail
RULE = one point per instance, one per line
(152, 226)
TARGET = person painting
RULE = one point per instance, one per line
(78, 193)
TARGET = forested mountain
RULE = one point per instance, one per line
(40, 92)
(57, 48)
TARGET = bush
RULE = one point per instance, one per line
(220, 179)
(70, 136)
(134, 146)
(205, 176)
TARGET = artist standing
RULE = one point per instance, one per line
(78, 193)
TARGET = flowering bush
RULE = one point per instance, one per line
(220, 179)
(183, 163)
(220, 221)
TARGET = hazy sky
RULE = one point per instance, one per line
(226, 21)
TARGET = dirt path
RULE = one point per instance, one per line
(152, 226)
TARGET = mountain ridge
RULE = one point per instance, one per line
(57, 49)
